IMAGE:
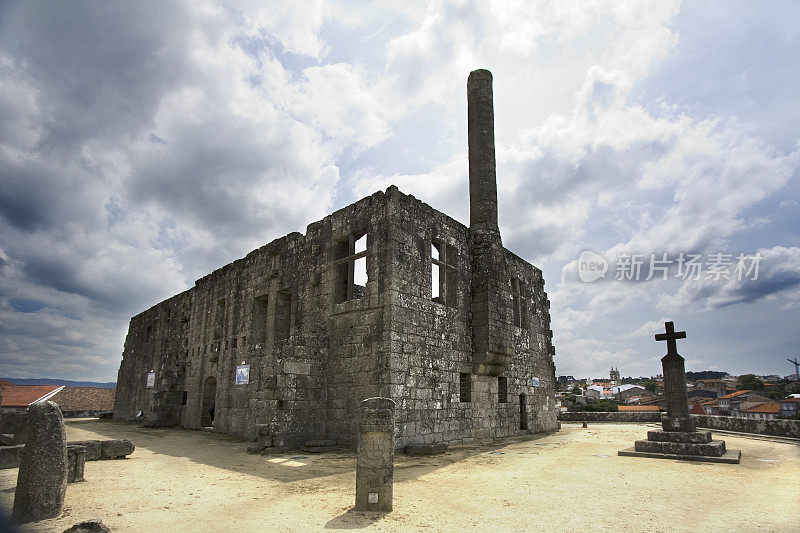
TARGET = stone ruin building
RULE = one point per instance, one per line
(385, 297)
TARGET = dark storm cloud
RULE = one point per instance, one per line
(99, 68)
(109, 199)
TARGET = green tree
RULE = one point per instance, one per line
(576, 390)
(749, 382)
(650, 385)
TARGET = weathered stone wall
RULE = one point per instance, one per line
(314, 357)
(777, 428)
(430, 343)
(617, 416)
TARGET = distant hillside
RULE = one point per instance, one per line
(67, 383)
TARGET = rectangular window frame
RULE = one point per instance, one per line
(345, 260)
(447, 264)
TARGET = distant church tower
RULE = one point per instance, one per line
(615, 376)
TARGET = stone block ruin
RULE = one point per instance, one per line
(386, 297)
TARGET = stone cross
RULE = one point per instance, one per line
(42, 477)
(674, 371)
(671, 336)
(375, 462)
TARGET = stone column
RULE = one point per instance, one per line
(375, 463)
(677, 417)
(482, 173)
(491, 346)
(76, 459)
(42, 478)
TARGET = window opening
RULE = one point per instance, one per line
(351, 267)
(465, 387)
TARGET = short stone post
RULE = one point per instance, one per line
(42, 478)
(76, 459)
(375, 463)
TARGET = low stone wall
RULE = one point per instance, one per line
(89, 413)
(776, 428)
(617, 416)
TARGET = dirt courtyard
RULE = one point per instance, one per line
(181, 480)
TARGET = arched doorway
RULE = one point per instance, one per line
(523, 412)
(209, 402)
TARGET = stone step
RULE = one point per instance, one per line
(695, 437)
(715, 448)
(730, 456)
(425, 449)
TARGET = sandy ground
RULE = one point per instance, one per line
(181, 480)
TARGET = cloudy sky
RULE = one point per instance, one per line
(144, 144)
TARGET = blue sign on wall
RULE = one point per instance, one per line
(243, 374)
(151, 380)
(535, 382)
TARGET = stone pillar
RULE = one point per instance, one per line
(677, 417)
(42, 478)
(492, 347)
(482, 177)
(375, 463)
(76, 459)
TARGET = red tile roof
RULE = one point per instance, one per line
(85, 399)
(24, 395)
(735, 394)
(697, 409)
(765, 408)
(638, 408)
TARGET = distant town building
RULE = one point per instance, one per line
(614, 374)
(625, 393)
(789, 407)
(717, 386)
(763, 410)
(599, 391)
(733, 404)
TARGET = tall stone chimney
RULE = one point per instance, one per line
(482, 175)
(492, 346)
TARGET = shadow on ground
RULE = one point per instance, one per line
(230, 453)
(351, 519)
